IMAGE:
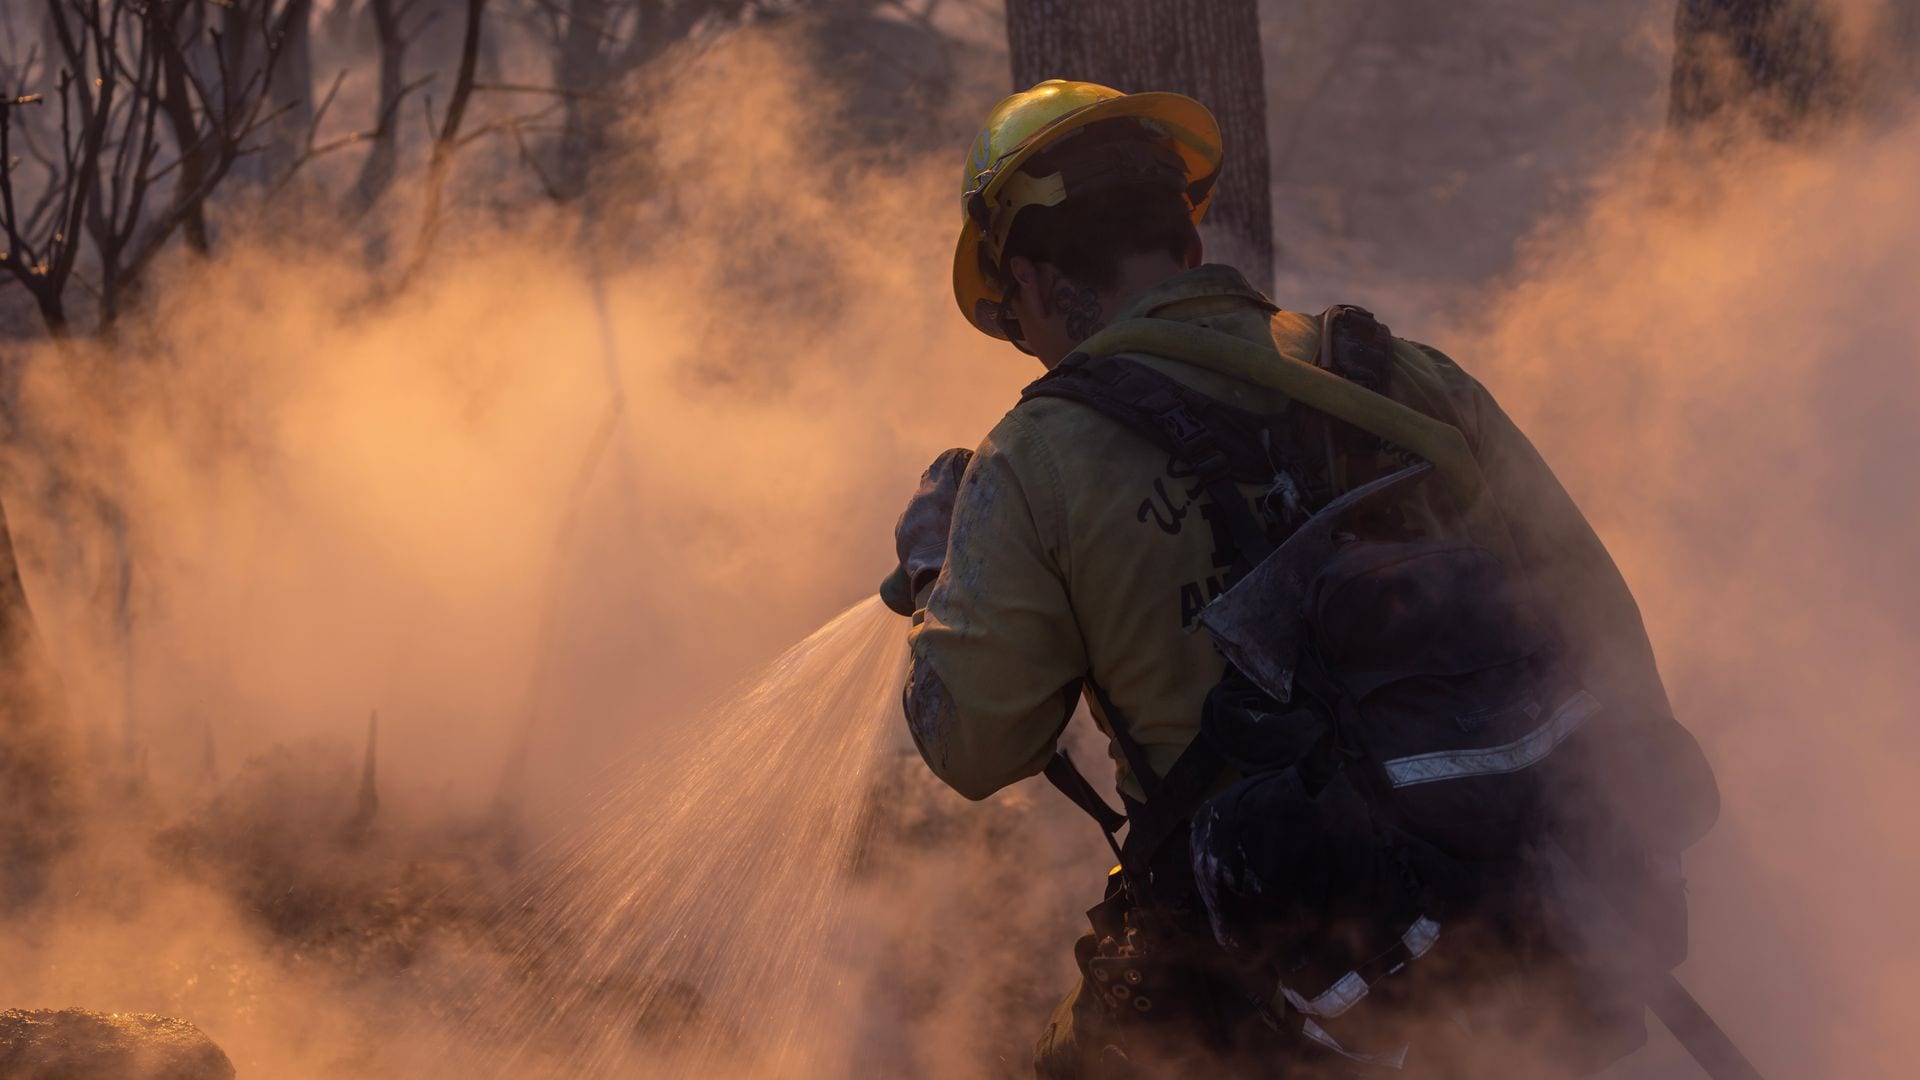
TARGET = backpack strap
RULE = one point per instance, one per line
(1356, 346)
(1217, 441)
(1359, 348)
(1220, 443)
(1327, 391)
(1063, 774)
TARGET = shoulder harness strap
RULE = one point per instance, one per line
(1221, 444)
(1327, 391)
(1218, 442)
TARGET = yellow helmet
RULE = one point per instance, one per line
(995, 190)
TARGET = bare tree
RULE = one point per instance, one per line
(597, 43)
(288, 84)
(449, 138)
(396, 25)
(1207, 49)
(111, 179)
(119, 121)
(381, 164)
(141, 109)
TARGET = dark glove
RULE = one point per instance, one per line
(920, 539)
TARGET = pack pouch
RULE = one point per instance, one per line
(1445, 687)
(1413, 785)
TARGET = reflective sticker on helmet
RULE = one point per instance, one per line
(986, 314)
(982, 151)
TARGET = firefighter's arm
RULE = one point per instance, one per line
(995, 653)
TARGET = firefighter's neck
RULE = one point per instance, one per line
(1057, 313)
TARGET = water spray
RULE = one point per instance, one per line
(690, 922)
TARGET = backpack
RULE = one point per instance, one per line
(1411, 752)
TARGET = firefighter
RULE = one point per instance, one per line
(1068, 555)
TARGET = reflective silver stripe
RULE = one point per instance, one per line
(1505, 758)
(1420, 936)
(1333, 1001)
(1395, 1060)
(1345, 993)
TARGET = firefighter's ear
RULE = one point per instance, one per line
(1034, 284)
(1025, 275)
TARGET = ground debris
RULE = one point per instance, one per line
(360, 901)
(76, 1044)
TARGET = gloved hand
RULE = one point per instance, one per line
(920, 539)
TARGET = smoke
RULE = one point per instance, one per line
(1711, 344)
(1726, 383)
(337, 504)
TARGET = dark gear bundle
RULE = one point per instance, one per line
(1401, 754)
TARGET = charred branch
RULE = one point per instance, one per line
(368, 804)
(383, 153)
(597, 43)
(127, 87)
(447, 140)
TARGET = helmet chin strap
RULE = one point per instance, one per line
(997, 315)
(1009, 324)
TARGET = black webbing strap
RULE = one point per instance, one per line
(1062, 774)
(1185, 423)
(1696, 1030)
(1358, 348)
(1217, 441)
(1187, 783)
(1137, 760)
(1221, 444)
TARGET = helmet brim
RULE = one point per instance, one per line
(1188, 124)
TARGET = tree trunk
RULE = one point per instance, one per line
(580, 69)
(1206, 49)
(37, 795)
(171, 25)
(291, 88)
(1770, 62)
(382, 162)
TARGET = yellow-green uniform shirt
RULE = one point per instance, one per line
(1079, 548)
